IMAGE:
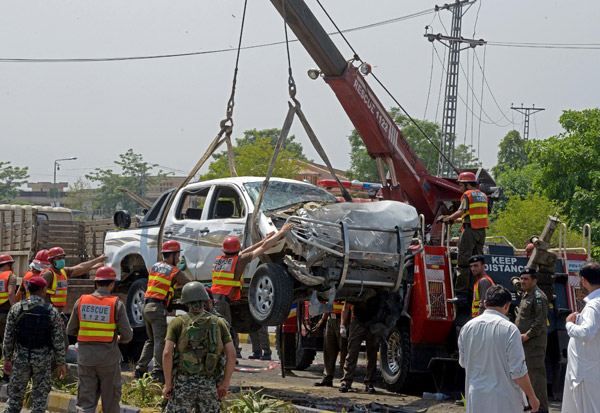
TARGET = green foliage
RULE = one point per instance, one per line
(517, 182)
(81, 196)
(254, 402)
(363, 168)
(11, 178)
(511, 154)
(523, 218)
(134, 175)
(253, 157)
(145, 392)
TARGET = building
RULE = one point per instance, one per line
(314, 172)
(43, 193)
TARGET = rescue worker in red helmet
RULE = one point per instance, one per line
(8, 287)
(100, 322)
(39, 264)
(163, 278)
(56, 276)
(473, 211)
(228, 271)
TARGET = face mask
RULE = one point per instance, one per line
(60, 264)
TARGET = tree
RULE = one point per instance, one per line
(11, 178)
(135, 176)
(511, 155)
(363, 168)
(253, 158)
(81, 197)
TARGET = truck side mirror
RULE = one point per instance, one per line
(122, 219)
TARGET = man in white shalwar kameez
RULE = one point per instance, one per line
(492, 354)
(582, 381)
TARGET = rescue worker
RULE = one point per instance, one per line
(56, 276)
(477, 265)
(473, 211)
(37, 266)
(363, 315)
(100, 322)
(8, 288)
(193, 345)
(163, 278)
(228, 270)
(333, 344)
(33, 339)
(532, 321)
(261, 344)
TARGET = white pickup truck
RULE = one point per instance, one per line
(335, 251)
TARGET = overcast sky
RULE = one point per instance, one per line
(169, 109)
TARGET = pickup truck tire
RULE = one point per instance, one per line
(270, 295)
(395, 358)
(135, 302)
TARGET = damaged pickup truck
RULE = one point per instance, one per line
(336, 251)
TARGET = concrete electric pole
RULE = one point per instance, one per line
(454, 43)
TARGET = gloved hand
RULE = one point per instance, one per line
(182, 264)
(343, 332)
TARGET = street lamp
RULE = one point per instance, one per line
(57, 167)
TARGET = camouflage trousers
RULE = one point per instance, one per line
(194, 394)
(36, 366)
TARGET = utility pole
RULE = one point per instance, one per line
(526, 112)
(454, 43)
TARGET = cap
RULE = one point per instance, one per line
(528, 270)
(477, 258)
(38, 281)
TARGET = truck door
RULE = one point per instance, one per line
(226, 215)
(185, 224)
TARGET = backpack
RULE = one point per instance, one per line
(199, 345)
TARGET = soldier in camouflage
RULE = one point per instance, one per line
(192, 351)
(33, 338)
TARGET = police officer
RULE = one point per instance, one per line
(532, 321)
(333, 344)
(99, 321)
(163, 278)
(482, 283)
(33, 338)
(473, 210)
(37, 266)
(261, 344)
(56, 276)
(193, 345)
(228, 270)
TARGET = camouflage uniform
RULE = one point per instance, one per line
(532, 319)
(31, 363)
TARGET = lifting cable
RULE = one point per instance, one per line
(226, 126)
(293, 109)
(356, 58)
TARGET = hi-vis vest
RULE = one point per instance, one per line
(58, 289)
(199, 345)
(160, 282)
(478, 208)
(4, 276)
(338, 306)
(476, 297)
(25, 282)
(97, 318)
(223, 277)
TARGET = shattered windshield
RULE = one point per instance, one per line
(281, 194)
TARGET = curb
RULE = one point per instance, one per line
(245, 338)
(302, 409)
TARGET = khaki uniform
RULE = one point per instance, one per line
(360, 329)
(99, 364)
(261, 343)
(334, 343)
(470, 243)
(532, 319)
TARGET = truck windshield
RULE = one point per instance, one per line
(281, 194)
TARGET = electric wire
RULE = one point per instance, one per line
(490, 89)
(440, 87)
(481, 107)
(429, 88)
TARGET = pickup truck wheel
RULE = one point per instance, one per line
(395, 358)
(270, 295)
(135, 302)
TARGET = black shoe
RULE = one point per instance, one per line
(324, 383)
(266, 357)
(237, 362)
(344, 388)
(254, 356)
(459, 402)
(5, 378)
(138, 374)
(370, 389)
(238, 354)
(159, 376)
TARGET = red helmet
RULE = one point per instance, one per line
(467, 177)
(6, 259)
(42, 257)
(171, 246)
(55, 252)
(231, 245)
(105, 273)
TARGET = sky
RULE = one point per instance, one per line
(169, 109)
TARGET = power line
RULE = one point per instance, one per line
(580, 46)
(429, 89)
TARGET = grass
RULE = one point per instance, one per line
(254, 402)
